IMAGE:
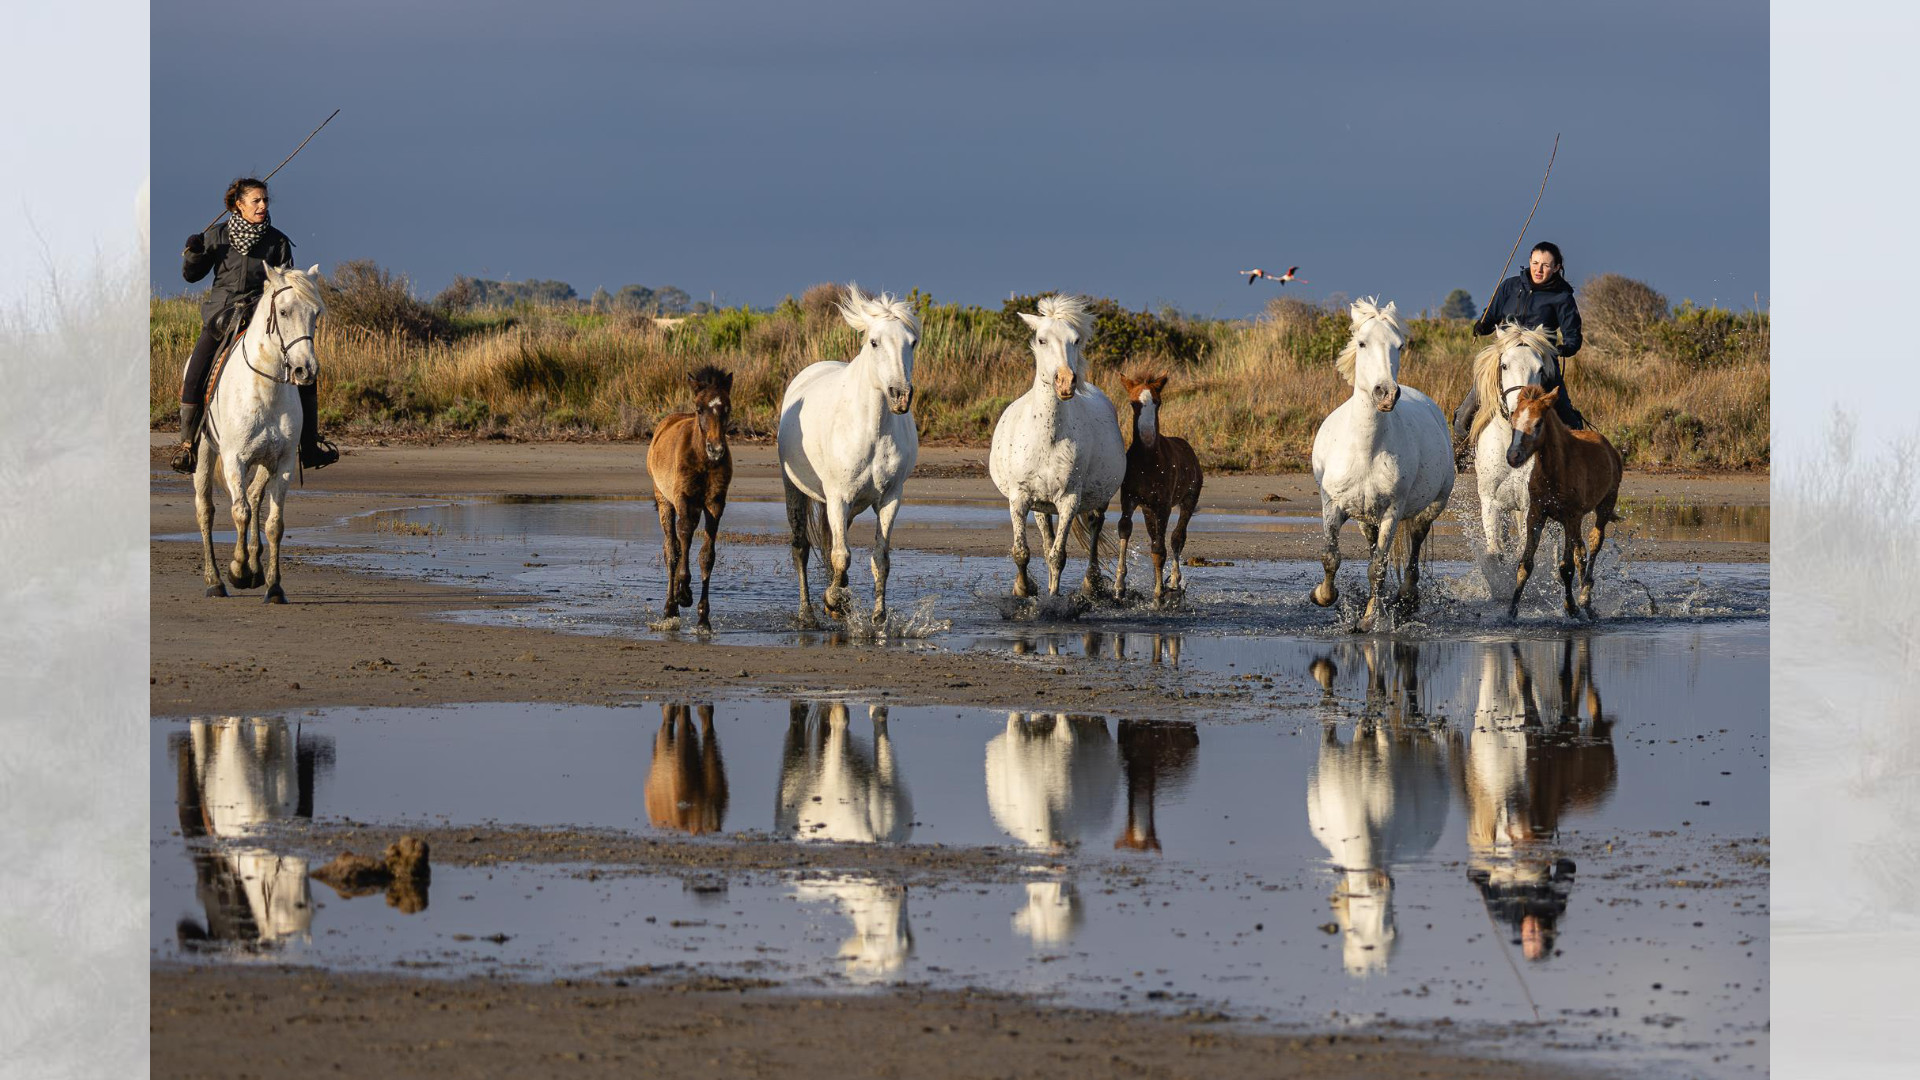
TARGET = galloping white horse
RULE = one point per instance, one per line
(1384, 457)
(1517, 357)
(253, 430)
(848, 442)
(1057, 449)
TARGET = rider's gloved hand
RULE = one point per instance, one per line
(196, 244)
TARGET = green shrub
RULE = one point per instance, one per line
(363, 296)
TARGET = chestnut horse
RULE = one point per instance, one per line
(1162, 472)
(1577, 473)
(691, 468)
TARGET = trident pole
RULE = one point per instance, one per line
(1523, 228)
(283, 161)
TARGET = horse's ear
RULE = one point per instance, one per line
(692, 380)
(1034, 321)
(1355, 313)
(726, 381)
(314, 270)
(1159, 385)
(1551, 396)
(1391, 308)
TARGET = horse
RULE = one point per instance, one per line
(1162, 472)
(832, 788)
(252, 432)
(1156, 753)
(1057, 449)
(848, 442)
(691, 467)
(1576, 473)
(687, 784)
(1384, 457)
(1516, 357)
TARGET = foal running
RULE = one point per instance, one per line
(1578, 473)
(691, 468)
(1162, 472)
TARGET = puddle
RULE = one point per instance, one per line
(1439, 811)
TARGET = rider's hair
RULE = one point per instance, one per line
(1552, 249)
(247, 183)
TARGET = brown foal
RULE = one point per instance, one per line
(691, 468)
(1162, 472)
(1577, 473)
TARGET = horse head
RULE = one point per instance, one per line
(1531, 408)
(1517, 357)
(712, 409)
(1060, 331)
(1371, 359)
(889, 332)
(1144, 394)
(293, 308)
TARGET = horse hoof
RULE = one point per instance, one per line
(1324, 595)
(275, 596)
(686, 598)
(1023, 586)
(216, 590)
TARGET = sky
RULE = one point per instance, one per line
(1146, 152)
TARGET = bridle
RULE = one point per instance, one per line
(285, 374)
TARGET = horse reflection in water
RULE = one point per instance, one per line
(687, 785)
(1158, 754)
(1378, 799)
(1096, 644)
(1050, 781)
(1532, 756)
(234, 775)
(833, 788)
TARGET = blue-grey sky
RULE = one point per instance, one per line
(1140, 151)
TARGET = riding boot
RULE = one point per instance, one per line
(184, 460)
(315, 453)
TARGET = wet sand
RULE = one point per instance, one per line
(303, 1022)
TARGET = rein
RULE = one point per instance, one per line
(285, 375)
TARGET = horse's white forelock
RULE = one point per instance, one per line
(862, 311)
(1364, 311)
(304, 285)
(1071, 310)
(1486, 368)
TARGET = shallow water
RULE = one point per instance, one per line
(1342, 861)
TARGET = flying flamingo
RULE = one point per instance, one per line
(1256, 274)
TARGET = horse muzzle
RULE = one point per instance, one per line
(715, 452)
(1065, 383)
(900, 401)
(1386, 397)
(1519, 450)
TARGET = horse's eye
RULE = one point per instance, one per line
(875, 342)
(1040, 341)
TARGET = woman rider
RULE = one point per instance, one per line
(238, 251)
(1539, 298)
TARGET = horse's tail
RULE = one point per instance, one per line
(819, 533)
(1079, 528)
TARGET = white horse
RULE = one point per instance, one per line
(848, 442)
(1517, 357)
(236, 775)
(252, 432)
(1384, 457)
(1057, 449)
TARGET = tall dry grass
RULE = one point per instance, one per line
(1676, 394)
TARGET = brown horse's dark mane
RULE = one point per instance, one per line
(711, 379)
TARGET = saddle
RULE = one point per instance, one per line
(237, 319)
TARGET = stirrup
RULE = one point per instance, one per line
(320, 455)
(185, 459)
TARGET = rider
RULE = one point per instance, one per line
(238, 251)
(1540, 298)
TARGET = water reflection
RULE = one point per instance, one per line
(1535, 753)
(881, 941)
(1376, 800)
(1098, 644)
(235, 774)
(1157, 753)
(1051, 780)
(687, 783)
(833, 786)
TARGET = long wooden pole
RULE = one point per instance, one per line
(1523, 228)
(283, 161)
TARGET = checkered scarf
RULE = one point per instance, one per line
(244, 234)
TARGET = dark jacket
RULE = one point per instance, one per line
(1549, 306)
(235, 276)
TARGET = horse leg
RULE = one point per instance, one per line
(1177, 543)
(1568, 531)
(1156, 520)
(882, 558)
(1331, 518)
(1410, 584)
(1377, 564)
(715, 507)
(1535, 521)
(669, 533)
(1022, 584)
(1068, 509)
(238, 571)
(688, 514)
(1595, 537)
(274, 526)
(256, 546)
(203, 513)
(838, 558)
(1123, 527)
(799, 507)
(1094, 522)
(1493, 522)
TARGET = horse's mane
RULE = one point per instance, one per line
(1486, 370)
(304, 286)
(1145, 378)
(1365, 311)
(862, 311)
(1072, 310)
(711, 379)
